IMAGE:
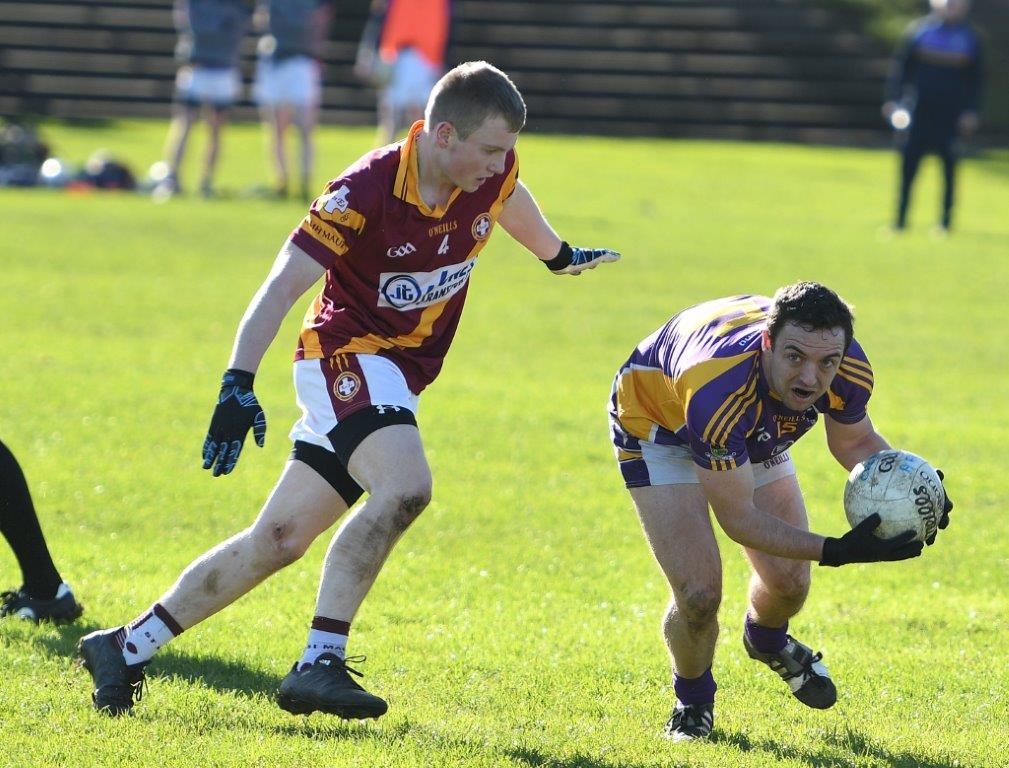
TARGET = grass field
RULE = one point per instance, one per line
(517, 622)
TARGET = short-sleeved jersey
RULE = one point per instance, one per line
(212, 31)
(292, 27)
(698, 382)
(397, 271)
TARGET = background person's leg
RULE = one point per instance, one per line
(217, 118)
(183, 117)
(19, 524)
(911, 156)
(306, 118)
(277, 118)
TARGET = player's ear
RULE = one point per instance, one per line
(765, 339)
(443, 133)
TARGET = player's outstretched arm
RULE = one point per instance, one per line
(238, 410)
(523, 220)
(730, 494)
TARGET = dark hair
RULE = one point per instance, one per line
(470, 93)
(812, 307)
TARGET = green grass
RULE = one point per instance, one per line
(517, 622)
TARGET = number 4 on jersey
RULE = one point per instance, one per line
(443, 248)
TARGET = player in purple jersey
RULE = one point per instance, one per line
(373, 340)
(703, 413)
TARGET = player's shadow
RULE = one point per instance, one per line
(847, 741)
(220, 674)
(533, 757)
(392, 736)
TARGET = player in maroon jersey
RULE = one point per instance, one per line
(397, 236)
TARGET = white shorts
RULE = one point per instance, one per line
(295, 81)
(412, 80)
(674, 465)
(200, 85)
(333, 389)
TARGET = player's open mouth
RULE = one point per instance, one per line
(802, 394)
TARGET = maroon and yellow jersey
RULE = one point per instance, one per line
(397, 271)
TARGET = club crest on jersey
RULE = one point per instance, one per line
(346, 386)
(718, 453)
(338, 200)
(414, 290)
(481, 227)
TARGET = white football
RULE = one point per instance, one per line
(903, 488)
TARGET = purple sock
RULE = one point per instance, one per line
(695, 690)
(765, 639)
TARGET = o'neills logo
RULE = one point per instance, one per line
(443, 229)
(481, 227)
(414, 290)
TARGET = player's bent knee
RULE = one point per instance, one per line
(699, 605)
(409, 504)
(279, 544)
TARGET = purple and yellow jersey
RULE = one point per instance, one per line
(698, 382)
(397, 271)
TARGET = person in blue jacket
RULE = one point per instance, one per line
(933, 96)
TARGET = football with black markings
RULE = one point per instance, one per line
(903, 488)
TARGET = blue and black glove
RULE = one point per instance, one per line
(947, 507)
(237, 410)
(573, 261)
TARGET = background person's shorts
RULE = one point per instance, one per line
(674, 465)
(294, 81)
(412, 80)
(197, 85)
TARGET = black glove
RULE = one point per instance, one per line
(237, 410)
(943, 520)
(573, 261)
(861, 545)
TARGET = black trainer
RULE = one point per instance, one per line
(62, 608)
(690, 722)
(117, 684)
(327, 686)
(802, 669)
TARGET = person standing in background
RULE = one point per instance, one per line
(288, 85)
(210, 35)
(934, 93)
(402, 53)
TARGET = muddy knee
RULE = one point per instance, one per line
(699, 606)
(408, 505)
(279, 544)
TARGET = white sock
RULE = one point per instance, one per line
(141, 638)
(320, 642)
